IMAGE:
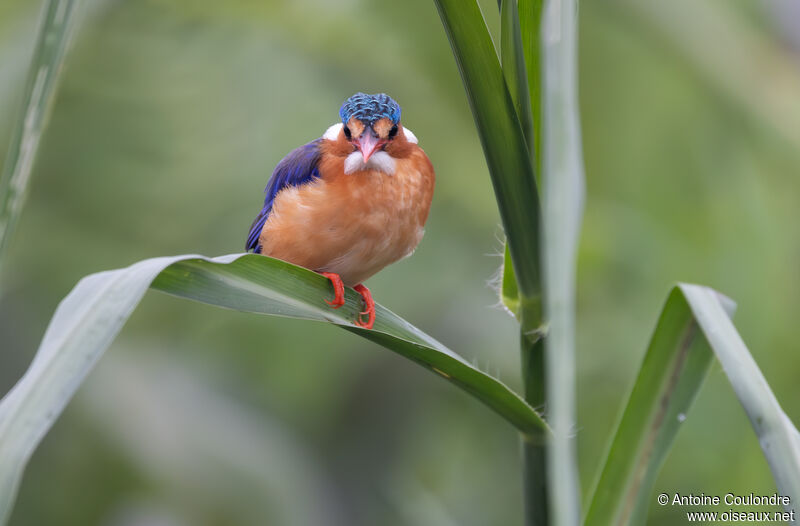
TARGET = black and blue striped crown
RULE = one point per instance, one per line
(370, 108)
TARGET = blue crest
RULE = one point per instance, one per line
(370, 108)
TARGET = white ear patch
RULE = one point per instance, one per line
(332, 133)
(410, 137)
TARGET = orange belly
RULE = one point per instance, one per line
(351, 224)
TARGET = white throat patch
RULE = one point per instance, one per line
(380, 161)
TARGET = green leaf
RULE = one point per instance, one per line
(674, 367)
(520, 40)
(87, 320)
(517, 79)
(530, 19)
(501, 135)
(563, 192)
(58, 23)
(512, 58)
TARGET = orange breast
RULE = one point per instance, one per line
(352, 224)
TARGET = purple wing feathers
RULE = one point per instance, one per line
(297, 168)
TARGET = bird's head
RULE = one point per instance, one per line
(370, 121)
(370, 136)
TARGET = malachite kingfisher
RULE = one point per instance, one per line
(351, 202)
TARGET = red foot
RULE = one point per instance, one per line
(369, 303)
(338, 289)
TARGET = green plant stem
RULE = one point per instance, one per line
(521, 82)
(534, 457)
(511, 167)
(534, 449)
(519, 50)
(563, 189)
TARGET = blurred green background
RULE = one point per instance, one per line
(169, 119)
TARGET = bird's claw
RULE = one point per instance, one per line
(369, 311)
(338, 289)
(338, 299)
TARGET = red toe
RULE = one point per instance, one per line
(338, 289)
(369, 305)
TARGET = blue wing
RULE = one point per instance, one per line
(297, 168)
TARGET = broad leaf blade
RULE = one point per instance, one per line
(58, 22)
(674, 367)
(255, 278)
(88, 319)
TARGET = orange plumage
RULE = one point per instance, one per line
(350, 203)
(352, 224)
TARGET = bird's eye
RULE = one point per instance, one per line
(393, 131)
(347, 133)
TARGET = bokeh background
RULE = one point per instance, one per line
(168, 121)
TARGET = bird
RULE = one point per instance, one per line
(349, 203)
